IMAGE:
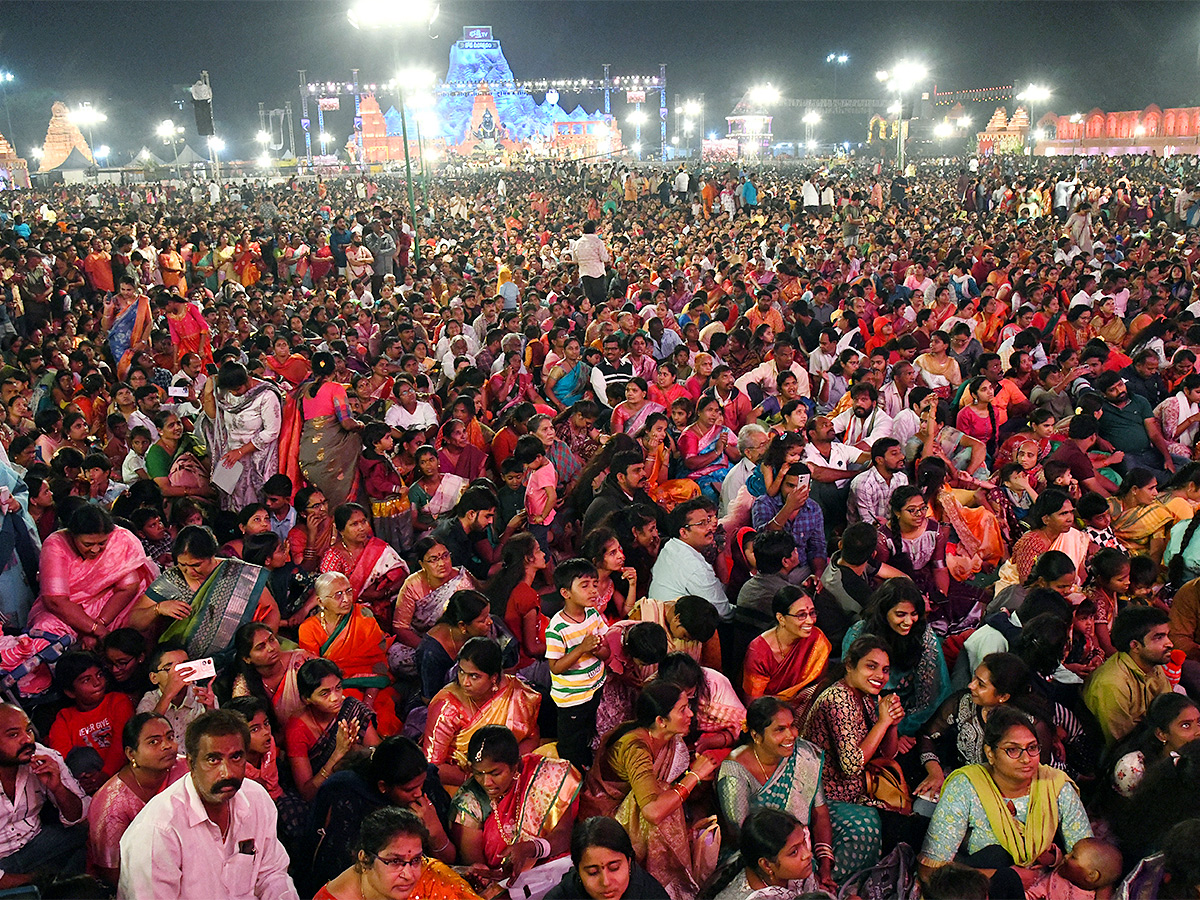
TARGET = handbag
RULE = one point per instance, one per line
(886, 783)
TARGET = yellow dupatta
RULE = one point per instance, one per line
(1024, 842)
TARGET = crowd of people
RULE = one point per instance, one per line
(604, 532)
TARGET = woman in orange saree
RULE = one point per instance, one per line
(346, 633)
(783, 661)
(290, 368)
(667, 492)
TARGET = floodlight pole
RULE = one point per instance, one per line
(412, 205)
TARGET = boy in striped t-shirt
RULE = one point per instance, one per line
(576, 652)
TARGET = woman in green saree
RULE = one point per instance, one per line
(205, 599)
(177, 461)
(777, 769)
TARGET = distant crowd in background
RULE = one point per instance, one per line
(681, 530)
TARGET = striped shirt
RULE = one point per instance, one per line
(576, 685)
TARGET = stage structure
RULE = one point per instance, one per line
(750, 124)
(481, 110)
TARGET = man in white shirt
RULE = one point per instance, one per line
(32, 775)
(752, 443)
(864, 422)
(148, 407)
(680, 185)
(1064, 192)
(810, 196)
(212, 832)
(409, 412)
(766, 375)
(831, 464)
(592, 257)
(681, 568)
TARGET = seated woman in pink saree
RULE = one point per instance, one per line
(708, 447)
(1052, 521)
(481, 695)
(642, 779)
(374, 568)
(92, 571)
(422, 600)
(152, 766)
(528, 798)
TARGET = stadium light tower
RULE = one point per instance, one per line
(900, 79)
(379, 15)
(837, 60)
(764, 94)
(1033, 95)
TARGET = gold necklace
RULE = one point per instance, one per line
(762, 767)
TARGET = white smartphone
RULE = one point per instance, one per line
(177, 391)
(802, 481)
(197, 669)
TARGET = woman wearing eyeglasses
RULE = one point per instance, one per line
(784, 660)
(422, 600)
(391, 864)
(1007, 809)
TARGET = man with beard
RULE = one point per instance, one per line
(622, 486)
(872, 489)
(31, 774)
(611, 369)
(1119, 692)
(795, 512)
(359, 259)
(1127, 421)
(864, 422)
(211, 833)
(458, 532)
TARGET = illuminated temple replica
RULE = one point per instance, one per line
(482, 112)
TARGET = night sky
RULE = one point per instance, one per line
(132, 59)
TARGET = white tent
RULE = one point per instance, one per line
(188, 157)
(146, 156)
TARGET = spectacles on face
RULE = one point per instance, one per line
(804, 615)
(1033, 751)
(703, 523)
(914, 510)
(396, 864)
(436, 558)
